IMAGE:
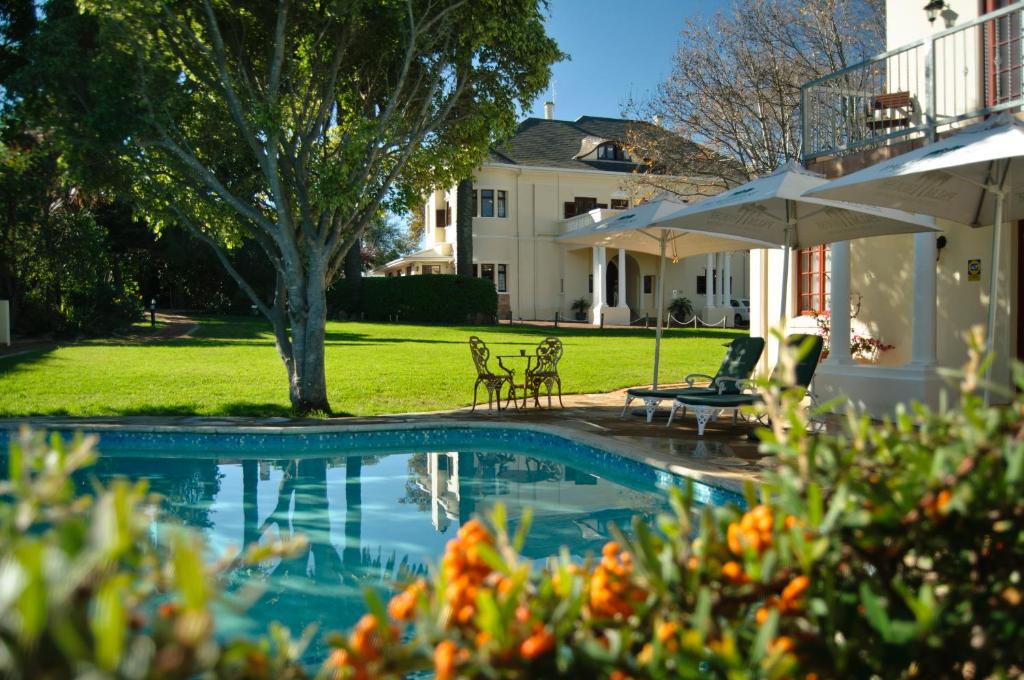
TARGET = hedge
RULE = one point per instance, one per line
(438, 298)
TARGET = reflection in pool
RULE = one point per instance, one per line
(371, 520)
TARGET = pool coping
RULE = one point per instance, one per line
(619, 445)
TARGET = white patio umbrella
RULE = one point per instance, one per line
(776, 210)
(641, 229)
(969, 177)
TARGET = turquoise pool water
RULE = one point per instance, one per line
(376, 508)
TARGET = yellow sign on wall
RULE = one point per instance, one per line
(974, 270)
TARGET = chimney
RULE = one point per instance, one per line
(549, 110)
(658, 119)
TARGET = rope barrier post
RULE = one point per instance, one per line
(602, 321)
(556, 319)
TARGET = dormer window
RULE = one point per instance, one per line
(610, 151)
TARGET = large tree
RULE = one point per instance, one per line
(292, 123)
(732, 99)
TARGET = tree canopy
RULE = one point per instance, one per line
(295, 124)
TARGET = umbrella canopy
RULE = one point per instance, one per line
(957, 178)
(775, 209)
(642, 229)
(972, 177)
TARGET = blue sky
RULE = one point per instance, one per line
(619, 49)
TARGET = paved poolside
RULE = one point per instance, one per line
(724, 457)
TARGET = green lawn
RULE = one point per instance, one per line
(230, 367)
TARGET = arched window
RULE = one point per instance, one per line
(610, 151)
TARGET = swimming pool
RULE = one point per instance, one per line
(377, 506)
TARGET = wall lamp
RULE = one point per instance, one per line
(933, 9)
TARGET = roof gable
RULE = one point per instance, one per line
(556, 143)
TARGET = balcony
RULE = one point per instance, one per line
(919, 90)
(586, 219)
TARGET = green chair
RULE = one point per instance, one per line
(707, 406)
(738, 364)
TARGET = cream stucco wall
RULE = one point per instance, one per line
(545, 276)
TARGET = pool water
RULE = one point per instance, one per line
(378, 516)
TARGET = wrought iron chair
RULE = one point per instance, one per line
(485, 376)
(545, 371)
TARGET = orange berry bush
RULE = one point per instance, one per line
(890, 549)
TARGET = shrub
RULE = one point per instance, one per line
(681, 308)
(438, 298)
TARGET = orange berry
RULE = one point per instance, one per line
(943, 499)
(338, 659)
(610, 549)
(444, 660)
(762, 615)
(796, 588)
(733, 539)
(538, 644)
(791, 521)
(734, 572)
(781, 645)
(666, 630)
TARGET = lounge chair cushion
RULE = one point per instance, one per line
(670, 393)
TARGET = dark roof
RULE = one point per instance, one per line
(554, 143)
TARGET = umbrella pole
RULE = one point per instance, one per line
(661, 311)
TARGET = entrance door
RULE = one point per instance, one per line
(612, 279)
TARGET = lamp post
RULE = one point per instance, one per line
(933, 9)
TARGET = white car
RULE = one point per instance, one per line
(741, 312)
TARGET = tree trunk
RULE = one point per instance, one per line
(302, 345)
(464, 228)
(354, 273)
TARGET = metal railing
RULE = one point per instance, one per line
(920, 89)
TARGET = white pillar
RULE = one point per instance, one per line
(839, 306)
(922, 350)
(599, 284)
(709, 281)
(622, 278)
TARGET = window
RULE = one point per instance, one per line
(590, 283)
(648, 285)
(502, 203)
(620, 203)
(487, 203)
(487, 272)
(610, 151)
(580, 205)
(814, 285)
(702, 284)
(502, 275)
(476, 210)
(431, 269)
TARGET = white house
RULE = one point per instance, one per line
(553, 176)
(921, 293)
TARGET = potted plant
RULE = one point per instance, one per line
(681, 308)
(580, 307)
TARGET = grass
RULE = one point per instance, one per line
(230, 367)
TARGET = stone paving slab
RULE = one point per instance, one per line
(724, 457)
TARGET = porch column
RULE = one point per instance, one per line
(599, 283)
(709, 281)
(839, 306)
(923, 353)
(622, 278)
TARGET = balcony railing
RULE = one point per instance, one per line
(920, 89)
(586, 219)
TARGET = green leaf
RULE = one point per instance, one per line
(109, 621)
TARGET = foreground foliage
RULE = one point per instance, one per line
(887, 550)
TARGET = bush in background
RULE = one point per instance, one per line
(437, 298)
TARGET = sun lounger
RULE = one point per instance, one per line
(738, 364)
(707, 406)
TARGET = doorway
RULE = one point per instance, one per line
(612, 283)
